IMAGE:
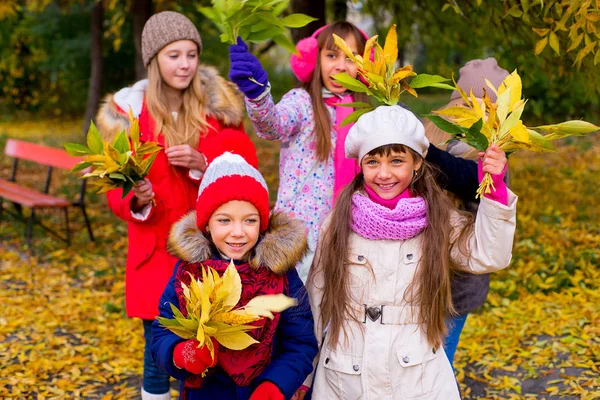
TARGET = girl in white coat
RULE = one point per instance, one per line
(380, 284)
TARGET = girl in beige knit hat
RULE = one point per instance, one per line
(179, 106)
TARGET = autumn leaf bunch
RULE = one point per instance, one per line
(210, 312)
(480, 123)
(384, 82)
(255, 21)
(117, 164)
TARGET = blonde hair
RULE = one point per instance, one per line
(191, 122)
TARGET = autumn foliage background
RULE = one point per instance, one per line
(63, 328)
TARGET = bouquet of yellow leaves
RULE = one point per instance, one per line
(483, 123)
(118, 164)
(385, 83)
(210, 310)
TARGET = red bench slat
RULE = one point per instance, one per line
(29, 197)
(40, 154)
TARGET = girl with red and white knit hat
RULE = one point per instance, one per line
(232, 222)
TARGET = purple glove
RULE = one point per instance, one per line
(245, 65)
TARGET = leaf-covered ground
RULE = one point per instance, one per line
(64, 332)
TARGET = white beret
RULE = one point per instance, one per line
(386, 125)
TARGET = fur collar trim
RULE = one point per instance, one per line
(280, 248)
(225, 103)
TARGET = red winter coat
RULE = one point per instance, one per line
(149, 265)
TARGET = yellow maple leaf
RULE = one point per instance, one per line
(210, 303)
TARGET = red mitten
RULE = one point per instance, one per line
(187, 355)
(267, 391)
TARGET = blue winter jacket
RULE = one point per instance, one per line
(294, 344)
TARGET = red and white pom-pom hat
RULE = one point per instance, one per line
(232, 175)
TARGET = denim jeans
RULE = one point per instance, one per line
(156, 381)
(455, 326)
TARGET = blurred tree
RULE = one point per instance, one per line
(559, 84)
(141, 10)
(97, 64)
(314, 8)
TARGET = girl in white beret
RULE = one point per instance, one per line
(379, 287)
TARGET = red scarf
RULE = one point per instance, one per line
(243, 366)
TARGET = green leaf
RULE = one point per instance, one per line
(80, 166)
(127, 186)
(568, 128)
(511, 121)
(443, 86)
(350, 83)
(553, 39)
(116, 175)
(446, 126)
(94, 140)
(297, 20)
(121, 143)
(357, 104)
(355, 115)
(76, 149)
(210, 13)
(426, 80)
(266, 34)
(475, 138)
(285, 42)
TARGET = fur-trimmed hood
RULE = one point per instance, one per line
(282, 246)
(225, 103)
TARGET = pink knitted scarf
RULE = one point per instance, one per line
(374, 221)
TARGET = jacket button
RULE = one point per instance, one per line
(361, 258)
(147, 255)
(409, 256)
(355, 367)
(327, 361)
(405, 359)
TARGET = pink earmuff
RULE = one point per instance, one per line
(303, 65)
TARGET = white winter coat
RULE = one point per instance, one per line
(389, 358)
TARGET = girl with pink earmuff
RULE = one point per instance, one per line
(313, 166)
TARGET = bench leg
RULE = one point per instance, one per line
(87, 222)
(29, 231)
(68, 233)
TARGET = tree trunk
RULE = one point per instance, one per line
(95, 89)
(314, 8)
(141, 11)
(340, 10)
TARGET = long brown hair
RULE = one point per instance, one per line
(191, 119)
(430, 289)
(314, 87)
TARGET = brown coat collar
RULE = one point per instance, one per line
(280, 248)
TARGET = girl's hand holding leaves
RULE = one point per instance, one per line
(246, 71)
(118, 164)
(481, 123)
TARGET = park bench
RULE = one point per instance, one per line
(22, 196)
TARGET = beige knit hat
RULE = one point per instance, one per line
(473, 75)
(164, 28)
